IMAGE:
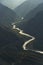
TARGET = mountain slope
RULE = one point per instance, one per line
(10, 45)
(26, 7)
(7, 16)
(34, 27)
(10, 40)
(33, 12)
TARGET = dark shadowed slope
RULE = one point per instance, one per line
(11, 52)
(10, 41)
(34, 26)
(7, 16)
(26, 7)
(33, 12)
(10, 44)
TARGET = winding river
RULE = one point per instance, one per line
(28, 41)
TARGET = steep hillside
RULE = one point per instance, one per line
(7, 16)
(33, 12)
(34, 27)
(10, 45)
(26, 7)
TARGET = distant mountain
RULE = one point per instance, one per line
(26, 7)
(7, 16)
(33, 12)
(34, 26)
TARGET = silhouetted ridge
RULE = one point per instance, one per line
(7, 16)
